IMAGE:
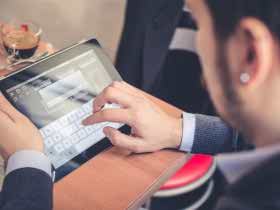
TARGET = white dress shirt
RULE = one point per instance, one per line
(188, 132)
(28, 159)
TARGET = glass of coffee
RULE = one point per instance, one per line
(20, 39)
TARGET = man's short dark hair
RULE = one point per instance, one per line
(228, 13)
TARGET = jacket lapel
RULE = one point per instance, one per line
(157, 39)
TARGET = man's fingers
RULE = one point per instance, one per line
(109, 115)
(128, 88)
(112, 95)
(7, 108)
(5, 118)
(121, 140)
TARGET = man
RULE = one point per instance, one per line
(157, 53)
(28, 183)
(239, 44)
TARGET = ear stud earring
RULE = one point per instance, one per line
(245, 78)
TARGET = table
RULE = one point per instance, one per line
(116, 179)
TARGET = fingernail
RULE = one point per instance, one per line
(105, 130)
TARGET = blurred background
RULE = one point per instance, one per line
(67, 21)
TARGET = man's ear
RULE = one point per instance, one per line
(258, 45)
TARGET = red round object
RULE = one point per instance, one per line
(192, 171)
(24, 27)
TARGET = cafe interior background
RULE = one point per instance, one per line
(65, 22)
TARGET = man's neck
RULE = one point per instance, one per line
(262, 115)
(264, 132)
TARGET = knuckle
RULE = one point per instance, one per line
(127, 116)
(130, 117)
(115, 84)
(136, 149)
(138, 101)
(137, 115)
(115, 136)
(104, 115)
(21, 118)
(115, 139)
(108, 91)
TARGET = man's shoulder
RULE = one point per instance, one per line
(149, 6)
(141, 6)
(145, 2)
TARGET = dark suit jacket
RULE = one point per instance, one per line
(257, 190)
(27, 189)
(142, 57)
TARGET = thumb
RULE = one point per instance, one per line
(124, 141)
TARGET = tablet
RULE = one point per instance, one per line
(57, 93)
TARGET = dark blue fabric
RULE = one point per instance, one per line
(214, 136)
(179, 83)
(180, 79)
(186, 21)
(257, 190)
(27, 189)
(144, 58)
(147, 33)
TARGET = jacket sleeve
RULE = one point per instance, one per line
(27, 189)
(213, 136)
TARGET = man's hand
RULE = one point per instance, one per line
(16, 131)
(152, 129)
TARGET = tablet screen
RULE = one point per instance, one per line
(58, 99)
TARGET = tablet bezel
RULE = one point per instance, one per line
(52, 61)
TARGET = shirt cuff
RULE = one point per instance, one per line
(29, 159)
(188, 132)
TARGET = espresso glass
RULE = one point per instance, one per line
(20, 39)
